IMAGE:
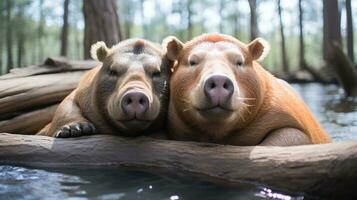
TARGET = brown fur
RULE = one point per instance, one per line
(263, 110)
(130, 64)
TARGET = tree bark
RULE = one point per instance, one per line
(101, 23)
(10, 62)
(349, 31)
(64, 33)
(327, 170)
(253, 19)
(331, 26)
(284, 55)
(301, 38)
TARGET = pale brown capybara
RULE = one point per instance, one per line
(220, 93)
(126, 95)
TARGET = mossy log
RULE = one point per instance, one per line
(328, 170)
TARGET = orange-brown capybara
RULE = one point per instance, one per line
(220, 93)
(126, 95)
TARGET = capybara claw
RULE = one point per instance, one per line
(76, 129)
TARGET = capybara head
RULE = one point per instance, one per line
(215, 86)
(131, 86)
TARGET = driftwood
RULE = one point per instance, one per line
(28, 96)
(327, 170)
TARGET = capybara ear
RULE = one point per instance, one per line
(173, 47)
(99, 51)
(259, 48)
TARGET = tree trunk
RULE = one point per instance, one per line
(64, 34)
(128, 19)
(253, 19)
(101, 23)
(284, 55)
(349, 30)
(331, 26)
(301, 38)
(2, 28)
(236, 20)
(189, 20)
(220, 11)
(41, 32)
(20, 48)
(10, 62)
(327, 170)
(345, 70)
(142, 15)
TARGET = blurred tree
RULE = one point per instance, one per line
(64, 34)
(1, 33)
(301, 37)
(101, 23)
(236, 17)
(284, 55)
(10, 62)
(332, 26)
(349, 30)
(20, 31)
(41, 31)
(142, 16)
(189, 10)
(253, 19)
(221, 14)
(128, 10)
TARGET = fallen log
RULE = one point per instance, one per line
(327, 170)
(51, 66)
(28, 123)
(31, 92)
(27, 94)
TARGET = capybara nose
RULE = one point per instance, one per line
(218, 89)
(135, 104)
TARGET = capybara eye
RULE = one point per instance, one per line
(239, 63)
(193, 62)
(155, 74)
(113, 73)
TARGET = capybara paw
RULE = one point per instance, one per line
(75, 130)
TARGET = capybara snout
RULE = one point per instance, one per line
(135, 103)
(218, 89)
